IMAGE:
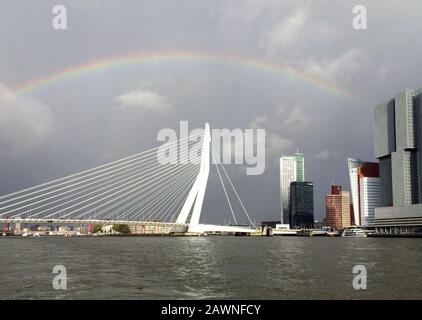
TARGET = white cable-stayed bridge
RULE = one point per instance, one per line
(138, 189)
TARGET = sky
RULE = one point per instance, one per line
(92, 118)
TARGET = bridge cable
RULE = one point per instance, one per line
(96, 190)
(127, 198)
(145, 196)
(160, 208)
(125, 160)
(142, 209)
(234, 189)
(224, 188)
(139, 180)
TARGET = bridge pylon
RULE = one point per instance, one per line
(195, 198)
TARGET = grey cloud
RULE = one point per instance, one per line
(297, 119)
(148, 100)
(325, 155)
(75, 123)
(25, 124)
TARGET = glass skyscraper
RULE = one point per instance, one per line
(398, 147)
(292, 168)
(301, 204)
(300, 167)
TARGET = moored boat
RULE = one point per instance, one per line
(354, 232)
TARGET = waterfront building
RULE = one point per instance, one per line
(353, 166)
(352, 215)
(44, 228)
(270, 224)
(318, 224)
(301, 204)
(282, 226)
(345, 209)
(300, 166)
(337, 206)
(365, 191)
(369, 199)
(150, 228)
(292, 168)
(398, 147)
(336, 189)
(333, 211)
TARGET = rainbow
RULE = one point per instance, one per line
(179, 56)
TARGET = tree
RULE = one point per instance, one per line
(97, 228)
(121, 228)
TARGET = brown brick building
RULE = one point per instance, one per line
(337, 205)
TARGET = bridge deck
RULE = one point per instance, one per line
(81, 221)
(198, 228)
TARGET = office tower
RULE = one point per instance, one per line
(291, 169)
(369, 199)
(345, 208)
(398, 147)
(352, 215)
(333, 211)
(353, 166)
(337, 206)
(300, 166)
(301, 204)
(335, 189)
(365, 190)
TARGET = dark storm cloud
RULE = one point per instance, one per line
(84, 121)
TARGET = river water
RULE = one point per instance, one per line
(210, 267)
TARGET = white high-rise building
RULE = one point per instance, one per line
(291, 169)
(353, 166)
(369, 199)
(364, 189)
